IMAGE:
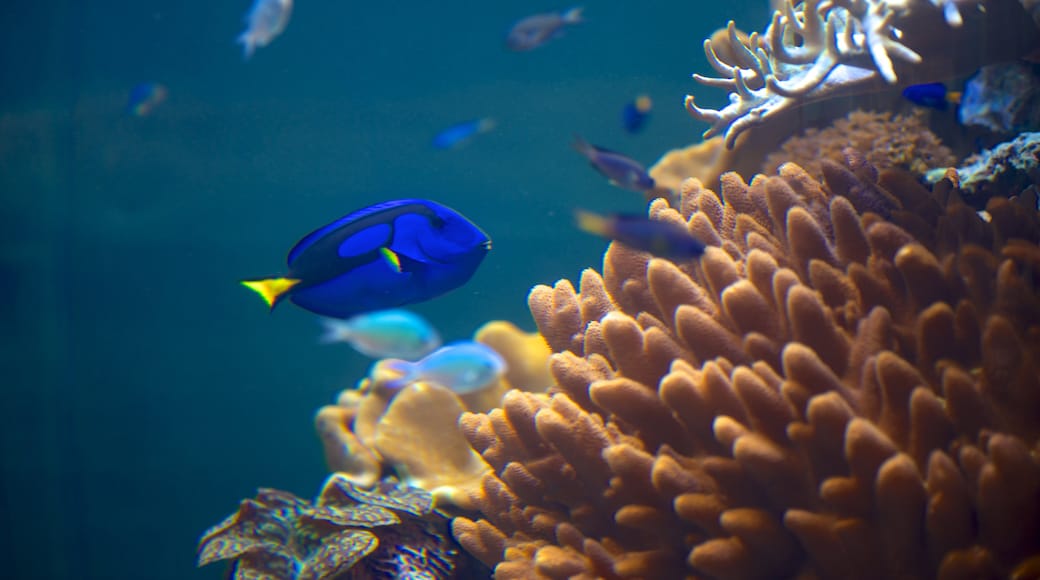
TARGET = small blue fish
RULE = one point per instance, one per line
(265, 21)
(932, 95)
(619, 170)
(660, 238)
(144, 98)
(533, 31)
(635, 114)
(459, 134)
(384, 334)
(463, 367)
(379, 257)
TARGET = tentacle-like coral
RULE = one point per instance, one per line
(845, 385)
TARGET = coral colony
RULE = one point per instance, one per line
(825, 393)
(347, 530)
(844, 384)
(811, 51)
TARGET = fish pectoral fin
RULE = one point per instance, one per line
(391, 258)
(272, 290)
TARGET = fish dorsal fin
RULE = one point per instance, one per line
(360, 214)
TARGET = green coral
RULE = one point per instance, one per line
(347, 532)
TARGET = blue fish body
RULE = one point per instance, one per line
(931, 95)
(657, 237)
(460, 133)
(463, 367)
(144, 98)
(635, 114)
(383, 256)
(620, 170)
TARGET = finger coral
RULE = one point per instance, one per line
(819, 49)
(846, 385)
(348, 532)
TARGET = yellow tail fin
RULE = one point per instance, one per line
(271, 289)
(592, 223)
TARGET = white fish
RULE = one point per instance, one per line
(463, 367)
(265, 21)
(385, 334)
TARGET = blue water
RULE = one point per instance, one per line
(144, 392)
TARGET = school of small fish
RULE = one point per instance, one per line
(359, 270)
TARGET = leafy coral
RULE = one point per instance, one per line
(348, 532)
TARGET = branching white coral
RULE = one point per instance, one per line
(807, 52)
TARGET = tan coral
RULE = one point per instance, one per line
(706, 161)
(417, 435)
(412, 430)
(845, 385)
(525, 353)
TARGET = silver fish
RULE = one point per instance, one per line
(265, 21)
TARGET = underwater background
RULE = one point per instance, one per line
(144, 390)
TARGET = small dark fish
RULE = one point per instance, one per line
(931, 95)
(660, 238)
(379, 257)
(531, 32)
(144, 98)
(635, 114)
(461, 133)
(619, 170)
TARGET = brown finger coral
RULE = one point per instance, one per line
(889, 141)
(846, 385)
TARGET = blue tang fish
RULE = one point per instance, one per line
(533, 31)
(620, 170)
(635, 114)
(461, 133)
(379, 257)
(660, 238)
(385, 334)
(932, 95)
(463, 367)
